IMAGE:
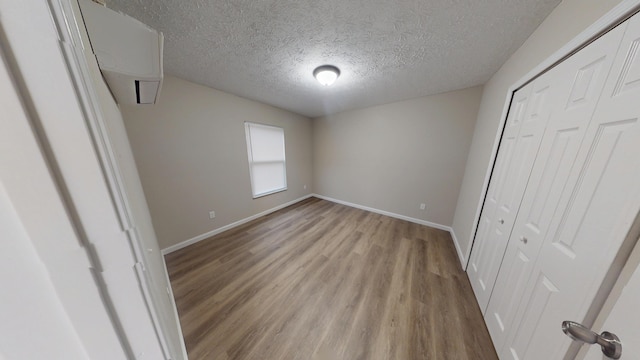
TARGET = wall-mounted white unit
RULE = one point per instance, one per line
(129, 53)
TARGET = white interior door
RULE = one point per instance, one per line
(574, 87)
(595, 211)
(51, 306)
(93, 263)
(520, 142)
(623, 317)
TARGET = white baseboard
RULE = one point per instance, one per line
(387, 213)
(463, 258)
(217, 231)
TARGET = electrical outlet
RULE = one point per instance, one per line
(305, 187)
(423, 206)
(212, 214)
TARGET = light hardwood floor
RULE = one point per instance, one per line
(318, 280)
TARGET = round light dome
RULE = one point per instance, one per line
(326, 74)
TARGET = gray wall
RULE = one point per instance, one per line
(569, 19)
(192, 157)
(393, 157)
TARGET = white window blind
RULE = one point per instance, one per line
(267, 165)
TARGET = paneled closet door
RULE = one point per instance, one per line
(491, 233)
(595, 209)
(520, 141)
(575, 88)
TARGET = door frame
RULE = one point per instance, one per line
(68, 28)
(615, 16)
(67, 33)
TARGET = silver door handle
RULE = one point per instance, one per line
(524, 240)
(610, 343)
(501, 221)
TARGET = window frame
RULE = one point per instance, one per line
(247, 131)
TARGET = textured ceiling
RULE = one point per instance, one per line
(387, 50)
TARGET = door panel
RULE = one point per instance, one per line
(575, 261)
(624, 318)
(491, 240)
(521, 141)
(51, 307)
(595, 209)
(577, 84)
(544, 290)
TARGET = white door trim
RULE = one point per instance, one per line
(616, 15)
(63, 17)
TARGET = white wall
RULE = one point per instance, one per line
(393, 157)
(192, 157)
(568, 19)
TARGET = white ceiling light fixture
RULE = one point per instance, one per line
(326, 74)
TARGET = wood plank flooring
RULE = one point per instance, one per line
(323, 281)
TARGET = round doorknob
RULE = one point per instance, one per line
(524, 240)
(501, 221)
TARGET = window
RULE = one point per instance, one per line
(267, 166)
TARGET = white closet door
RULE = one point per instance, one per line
(623, 320)
(595, 210)
(576, 85)
(520, 141)
(486, 250)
